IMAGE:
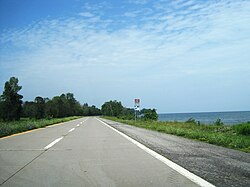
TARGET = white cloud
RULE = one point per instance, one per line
(139, 2)
(86, 14)
(130, 14)
(197, 40)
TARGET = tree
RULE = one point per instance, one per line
(85, 109)
(128, 113)
(63, 106)
(1, 109)
(112, 108)
(149, 114)
(50, 109)
(29, 109)
(57, 107)
(39, 107)
(93, 111)
(11, 101)
(90, 110)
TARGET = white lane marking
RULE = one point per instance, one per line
(84, 121)
(77, 125)
(196, 179)
(71, 129)
(58, 139)
(53, 143)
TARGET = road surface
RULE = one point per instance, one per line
(83, 152)
(221, 166)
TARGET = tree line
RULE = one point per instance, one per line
(13, 108)
(115, 108)
(59, 106)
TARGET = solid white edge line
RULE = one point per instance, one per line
(196, 179)
(53, 143)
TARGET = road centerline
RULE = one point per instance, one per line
(53, 143)
(71, 129)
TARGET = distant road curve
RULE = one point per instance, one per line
(220, 166)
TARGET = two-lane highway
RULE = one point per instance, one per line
(83, 152)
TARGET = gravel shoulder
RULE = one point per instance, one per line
(218, 165)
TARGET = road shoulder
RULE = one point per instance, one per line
(218, 165)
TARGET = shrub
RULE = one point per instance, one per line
(243, 129)
(191, 120)
(218, 122)
(150, 114)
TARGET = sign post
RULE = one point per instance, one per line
(137, 107)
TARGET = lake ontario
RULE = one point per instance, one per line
(228, 118)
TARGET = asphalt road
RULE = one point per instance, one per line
(83, 152)
(220, 166)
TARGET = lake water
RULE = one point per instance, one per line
(228, 118)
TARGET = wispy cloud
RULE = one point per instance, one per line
(162, 39)
(89, 40)
(139, 2)
(86, 14)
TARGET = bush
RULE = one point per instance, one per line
(219, 135)
(191, 120)
(12, 127)
(218, 122)
(150, 114)
(243, 129)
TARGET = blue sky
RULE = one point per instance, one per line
(175, 55)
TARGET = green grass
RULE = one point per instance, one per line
(235, 137)
(25, 124)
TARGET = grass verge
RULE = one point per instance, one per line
(25, 124)
(226, 136)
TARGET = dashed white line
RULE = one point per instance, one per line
(59, 139)
(53, 143)
(71, 129)
(198, 180)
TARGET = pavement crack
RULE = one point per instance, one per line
(21, 149)
(22, 168)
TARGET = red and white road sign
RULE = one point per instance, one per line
(137, 101)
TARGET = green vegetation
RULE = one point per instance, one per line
(25, 124)
(149, 114)
(44, 111)
(38, 113)
(59, 106)
(243, 129)
(112, 108)
(115, 109)
(235, 137)
(10, 101)
(65, 105)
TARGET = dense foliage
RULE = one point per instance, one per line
(12, 107)
(115, 109)
(11, 101)
(243, 128)
(59, 106)
(65, 105)
(149, 114)
(112, 108)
